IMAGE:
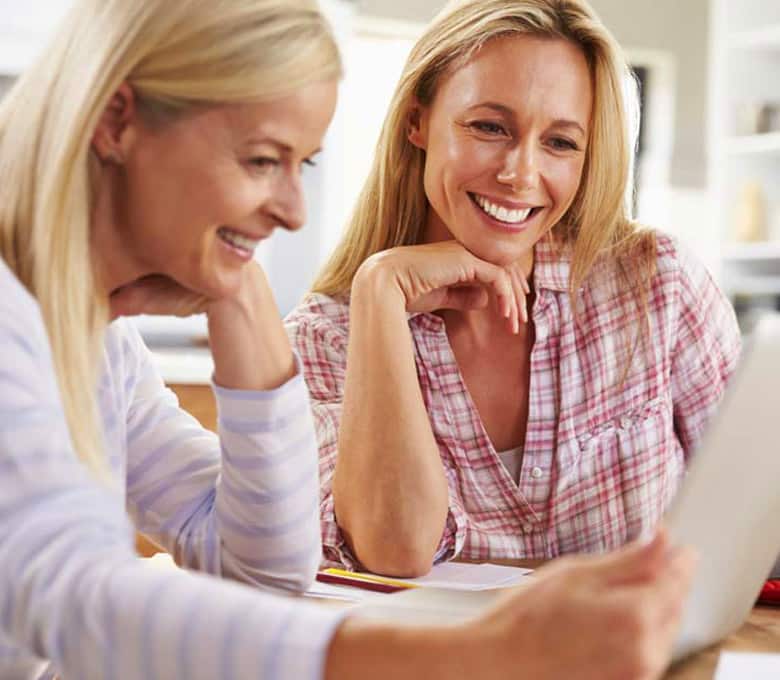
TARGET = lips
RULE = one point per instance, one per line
(238, 240)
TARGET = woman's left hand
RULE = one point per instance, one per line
(248, 341)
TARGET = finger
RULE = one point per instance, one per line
(516, 305)
(638, 562)
(526, 284)
(520, 294)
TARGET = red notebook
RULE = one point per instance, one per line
(770, 593)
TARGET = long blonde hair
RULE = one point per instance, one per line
(392, 208)
(176, 54)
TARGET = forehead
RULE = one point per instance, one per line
(297, 121)
(549, 76)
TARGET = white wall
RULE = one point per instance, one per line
(678, 26)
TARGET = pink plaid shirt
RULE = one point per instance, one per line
(602, 460)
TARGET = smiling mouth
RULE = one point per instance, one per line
(237, 240)
(511, 216)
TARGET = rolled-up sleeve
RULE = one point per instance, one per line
(242, 504)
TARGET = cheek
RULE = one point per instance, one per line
(452, 163)
(568, 176)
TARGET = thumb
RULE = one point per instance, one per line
(637, 562)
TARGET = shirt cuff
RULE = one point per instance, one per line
(256, 406)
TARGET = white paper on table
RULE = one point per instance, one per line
(430, 606)
(742, 665)
(465, 576)
(331, 591)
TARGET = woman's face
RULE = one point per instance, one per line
(505, 140)
(192, 198)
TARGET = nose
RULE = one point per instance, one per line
(520, 167)
(288, 203)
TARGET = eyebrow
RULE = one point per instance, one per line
(281, 146)
(507, 111)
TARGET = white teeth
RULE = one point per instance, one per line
(238, 240)
(501, 213)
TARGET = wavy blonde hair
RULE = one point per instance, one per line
(392, 207)
(175, 54)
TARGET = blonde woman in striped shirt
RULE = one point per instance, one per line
(142, 158)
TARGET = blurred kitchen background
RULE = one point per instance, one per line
(708, 165)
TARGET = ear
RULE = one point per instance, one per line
(417, 125)
(113, 134)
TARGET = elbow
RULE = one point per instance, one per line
(301, 579)
(394, 557)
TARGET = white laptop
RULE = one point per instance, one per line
(729, 505)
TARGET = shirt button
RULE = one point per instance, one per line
(528, 527)
(536, 472)
(625, 423)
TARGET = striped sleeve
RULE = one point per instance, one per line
(244, 504)
(71, 589)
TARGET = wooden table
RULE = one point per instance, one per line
(760, 633)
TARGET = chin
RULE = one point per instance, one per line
(499, 254)
(217, 285)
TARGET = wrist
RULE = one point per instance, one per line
(376, 282)
(248, 342)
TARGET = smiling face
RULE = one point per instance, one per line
(192, 198)
(505, 140)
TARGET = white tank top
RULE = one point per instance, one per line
(512, 461)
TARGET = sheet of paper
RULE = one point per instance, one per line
(743, 665)
(330, 591)
(434, 606)
(464, 576)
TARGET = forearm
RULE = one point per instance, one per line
(248, 342)
(387, 451)
(362, 649)
(267, 496)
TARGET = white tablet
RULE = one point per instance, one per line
(729, 505)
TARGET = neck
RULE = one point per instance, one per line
(114, 259)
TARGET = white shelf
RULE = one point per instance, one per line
(768, 143)
(758, 38)
(753, 285)
(751, 252)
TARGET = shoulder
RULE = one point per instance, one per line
(123, 344)
(319, 316)
(672, 256)
(678, 268)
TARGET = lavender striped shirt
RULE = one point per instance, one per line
(75, 600)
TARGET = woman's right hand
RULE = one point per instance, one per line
(445, 275)
(587, 617)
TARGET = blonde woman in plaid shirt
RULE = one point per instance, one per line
(500, 359)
